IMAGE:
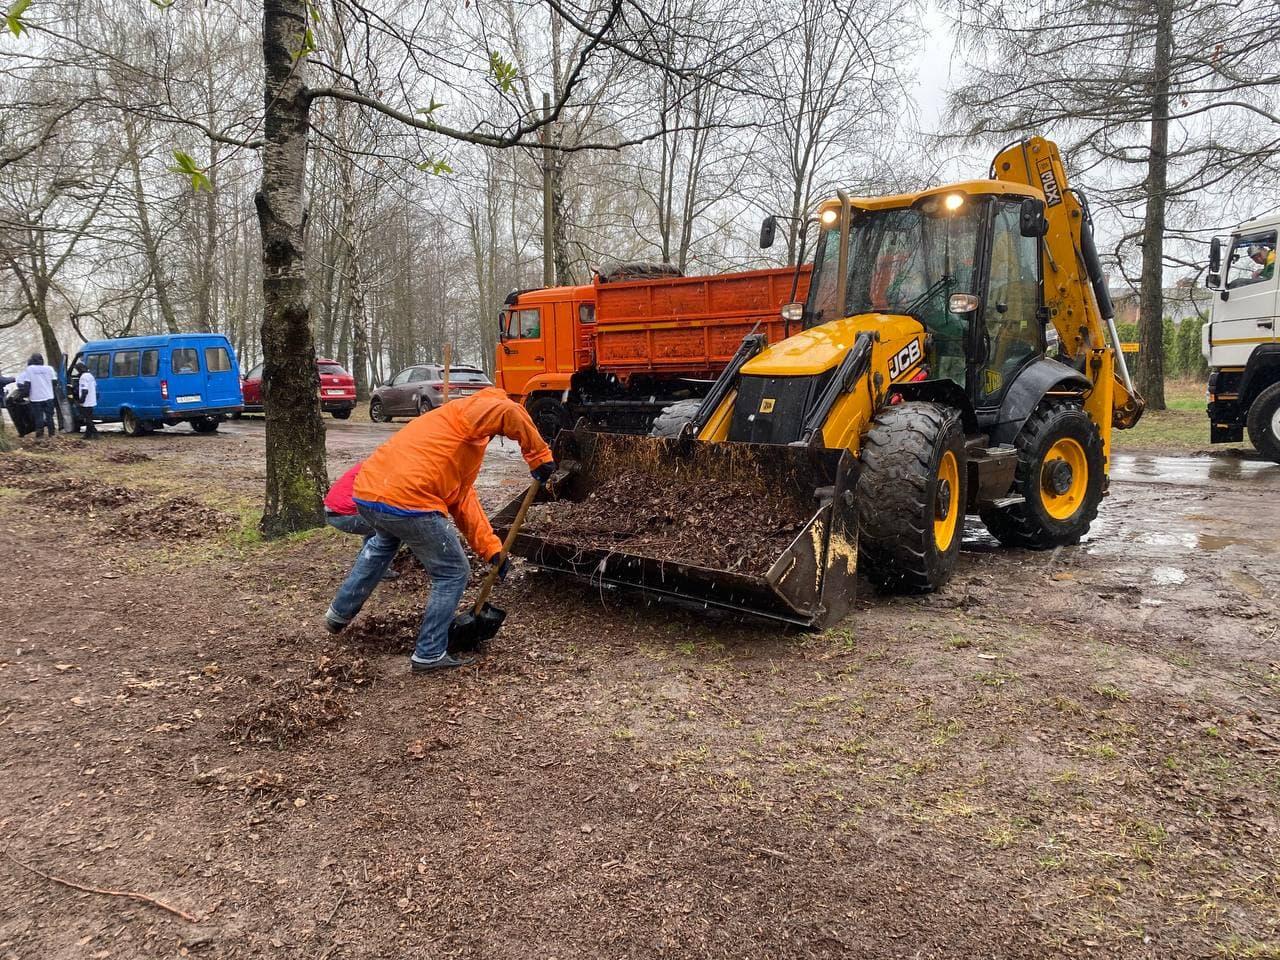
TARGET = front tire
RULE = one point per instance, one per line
(1263, 423)
(911, 497)
(1059, 476)
(377, 412)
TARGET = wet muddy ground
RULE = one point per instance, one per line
(1066, 753)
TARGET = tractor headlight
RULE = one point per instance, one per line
(829, 217)
(953, 201)
(793, 312)
(962, 303)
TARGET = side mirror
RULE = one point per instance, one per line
(1031, 220)
(768, 230)
(1214, 279)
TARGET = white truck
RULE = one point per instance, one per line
(1240, 341)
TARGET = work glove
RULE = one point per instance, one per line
(544, 473)
(504, 569)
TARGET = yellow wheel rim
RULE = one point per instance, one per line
(1064, 478)
(946, 509)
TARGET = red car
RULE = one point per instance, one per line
(337, 389)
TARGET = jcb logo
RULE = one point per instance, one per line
(1048, 182)
(766, 405)
(904, 359)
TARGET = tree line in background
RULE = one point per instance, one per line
(367, 180)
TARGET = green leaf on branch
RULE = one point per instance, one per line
(308, 45)
(163, 4)
(13, 17)
(503, 70)
(428, 111)
(185, 166)
(437, 168)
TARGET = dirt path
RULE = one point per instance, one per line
(1062, 754)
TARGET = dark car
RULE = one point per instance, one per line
(337, 389)
(417, 389)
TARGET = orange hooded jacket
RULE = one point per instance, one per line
(431, 465)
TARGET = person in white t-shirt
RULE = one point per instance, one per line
(86, 399)
(39, 377)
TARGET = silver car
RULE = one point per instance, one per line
(417, 389)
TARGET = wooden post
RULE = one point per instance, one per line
(448, 359)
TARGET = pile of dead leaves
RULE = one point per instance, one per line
(295, 709)
(173, 518)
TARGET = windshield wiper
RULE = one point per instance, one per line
(915, 306)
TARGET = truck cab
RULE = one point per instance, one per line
(1240, 342)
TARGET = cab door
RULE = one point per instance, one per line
(1244, 315)
(522, 349)
(1011, 325)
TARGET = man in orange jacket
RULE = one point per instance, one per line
(406, 491)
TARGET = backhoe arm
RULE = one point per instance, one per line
(1075, 291)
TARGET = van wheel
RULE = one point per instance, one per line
(132, 425)
(205, 424)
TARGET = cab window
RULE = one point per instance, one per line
(587, 313)
(150, 362)
(125, 364)
(524, 324)
(1253, 259)
(1011, 318)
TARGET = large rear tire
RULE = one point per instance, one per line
(1264, 423)
(911, 497)
(1060, 478)
(671, 421)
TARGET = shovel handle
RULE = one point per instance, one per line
(512, 533)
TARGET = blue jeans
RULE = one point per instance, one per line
(42, 416)
(433, 541)
(349, 523)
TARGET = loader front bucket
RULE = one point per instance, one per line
(798, 567)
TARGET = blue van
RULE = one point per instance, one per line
(150, 382)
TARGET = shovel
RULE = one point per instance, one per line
(479, 624)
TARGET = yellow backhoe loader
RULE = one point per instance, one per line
(920, 386)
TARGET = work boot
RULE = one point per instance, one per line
(334, 623)
(445, 662)
(390, 575)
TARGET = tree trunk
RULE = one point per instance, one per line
(150, 243)
(296, 474)
(1150, 378)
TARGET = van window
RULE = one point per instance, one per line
(125, 364)
(184, 360)
(150, 362)
(216, 360)
(99, 365)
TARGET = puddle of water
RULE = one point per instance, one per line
(1168, 576)
(1192, 470)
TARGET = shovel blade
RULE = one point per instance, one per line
(470, 630)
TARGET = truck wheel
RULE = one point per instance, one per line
(1264, 423)
(550, 416)
(911, 497)
(670, 422)
(205, 425)
(1059, 477)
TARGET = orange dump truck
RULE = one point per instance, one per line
(620, 349)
